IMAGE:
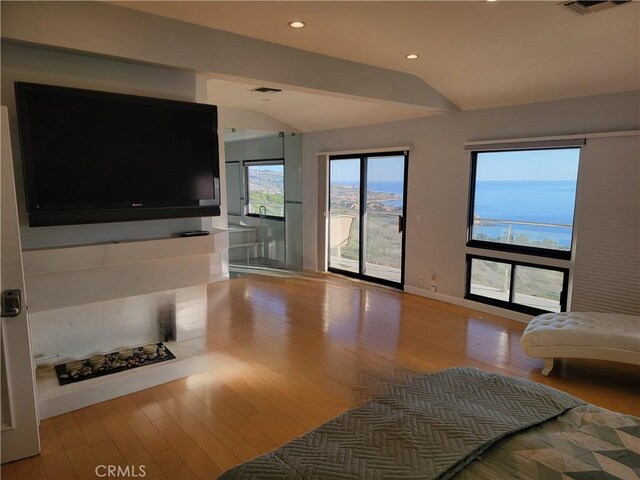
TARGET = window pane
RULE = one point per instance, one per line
(490, 279)
(266, 189)
(526, 198)
(538, 288)
(344, 214)
(385, 204)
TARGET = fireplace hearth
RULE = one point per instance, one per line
(101, 365)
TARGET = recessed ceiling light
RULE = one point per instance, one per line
(296, 24)
(491, 0)
(412, 56)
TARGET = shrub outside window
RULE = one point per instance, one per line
(527, 288)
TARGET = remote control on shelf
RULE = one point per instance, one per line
(194, 233)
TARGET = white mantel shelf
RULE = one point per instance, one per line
(60, 277)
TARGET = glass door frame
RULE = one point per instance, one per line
(363, 158)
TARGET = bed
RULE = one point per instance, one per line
(462, 423)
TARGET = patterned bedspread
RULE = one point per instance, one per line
(585, 443)
(425, 427)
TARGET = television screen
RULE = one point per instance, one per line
(93, 157)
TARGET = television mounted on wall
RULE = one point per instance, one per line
(94, 157)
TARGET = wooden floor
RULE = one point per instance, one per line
(288, 354)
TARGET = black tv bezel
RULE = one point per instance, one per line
(71, 214)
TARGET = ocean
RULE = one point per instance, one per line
(525, 201)
(386, 187)
(538, 201)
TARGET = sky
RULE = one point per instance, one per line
(380, 169)
(545, 165)
(533, 165)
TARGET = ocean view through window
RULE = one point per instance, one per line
(524, 200)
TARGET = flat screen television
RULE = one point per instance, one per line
(93, 157)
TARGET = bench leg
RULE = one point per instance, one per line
(548, 366)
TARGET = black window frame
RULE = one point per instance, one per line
(506, 247)
(510, 304)
(363, 159)
(256, 163)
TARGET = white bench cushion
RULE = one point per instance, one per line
(604, 336)
(605, 330)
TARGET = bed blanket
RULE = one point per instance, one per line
(424, 427)
(584, 443)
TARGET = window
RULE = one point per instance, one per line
(265, 188)
(523, 287)
(523, 201)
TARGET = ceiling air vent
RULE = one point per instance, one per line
(266, 90)
(583, 7)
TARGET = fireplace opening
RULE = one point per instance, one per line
(100, 365)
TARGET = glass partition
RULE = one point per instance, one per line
(265, 212)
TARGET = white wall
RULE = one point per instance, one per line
(439, 171)
(261, 148)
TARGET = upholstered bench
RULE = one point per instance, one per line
(601, 336)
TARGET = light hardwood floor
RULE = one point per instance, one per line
(288, 354)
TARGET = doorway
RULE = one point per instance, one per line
(367, 211)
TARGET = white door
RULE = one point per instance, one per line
(19, 414)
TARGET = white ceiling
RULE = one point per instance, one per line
(478, 54)
(308, 112)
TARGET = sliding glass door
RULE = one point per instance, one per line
(366, 216)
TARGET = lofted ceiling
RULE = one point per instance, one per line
(308, 112)
(478, 54)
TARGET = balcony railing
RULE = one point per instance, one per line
(547, 235)
(490, 221)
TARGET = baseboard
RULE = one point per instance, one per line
(442, 297)
(217, 277)
(462, 302)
